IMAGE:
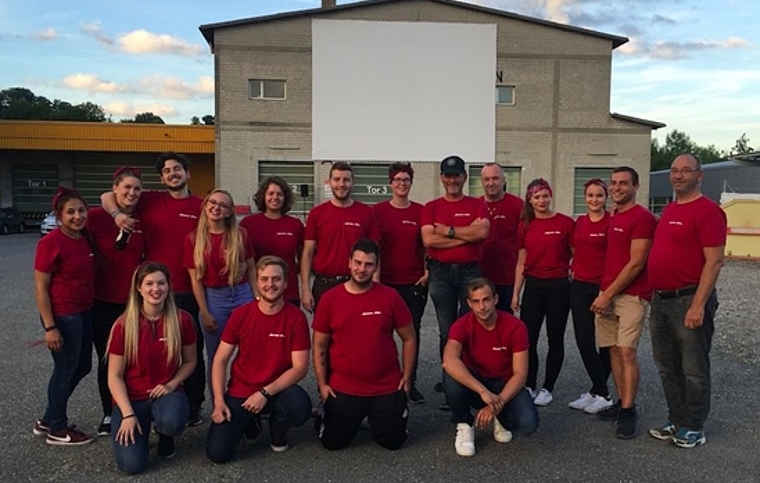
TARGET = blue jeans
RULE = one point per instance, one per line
(69, 366)
(287, 409)
(519, 414)
(448, 289)
(683, 358)
(168, 414)
(221, 302)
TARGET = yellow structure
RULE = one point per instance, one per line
(743, 213)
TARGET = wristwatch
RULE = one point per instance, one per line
(451, 232)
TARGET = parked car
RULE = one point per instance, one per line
(49, 224)
(11, 220)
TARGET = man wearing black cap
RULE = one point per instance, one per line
(453, 227)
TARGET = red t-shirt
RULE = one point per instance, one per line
(500, 248)
(336, 230)
(363, 356)
(71, 264)
(590, 248)
(489, 352)
(114, 272)
(455, 213)
(547, 243)
(265, 345)
(633, 224)
(166, 222)
(282, 238)
(214, 276)
(402, 254)
(151, 367)
(676, 258)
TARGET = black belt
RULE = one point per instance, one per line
(436, 263)
(674, 294)
(338, 279)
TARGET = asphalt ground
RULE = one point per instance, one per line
(569, 445)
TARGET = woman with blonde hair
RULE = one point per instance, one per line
(151, 351)
(219, 257)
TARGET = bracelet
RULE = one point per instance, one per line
(128, 416)
(265, 393)
(115, 213)
(51, 328)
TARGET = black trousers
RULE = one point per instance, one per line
(415, 297)
(596, 361)
(343, 416)
(104, 315)
(195, 385)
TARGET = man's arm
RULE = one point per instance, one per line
(638, 260)
(408, 355)
(455, 368)
(472, 233)
(713, 263)
(321, 344)
(431, 239)
(122, 220)
(519, 279)
(256, 402)
(516, 383)
(307, 300)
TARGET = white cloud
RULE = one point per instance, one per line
(94, 30)
(45, 35)
(141, 41)
(670, 50)
(89, 82)
(158, 86)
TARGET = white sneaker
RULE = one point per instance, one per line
(532, 393)
(465, 440)
(599, 404)
(583, 401)
(500, 433)
(543, 398)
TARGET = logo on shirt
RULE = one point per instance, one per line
(409, 222)
(499, 217)
(499, 348)
(462, 215)
(352, 223)
(552, 232)
(284, 233)
(618, 229)
(371, 312)
(188, 215)
(278, 336)
(596, 235)
(674, 222)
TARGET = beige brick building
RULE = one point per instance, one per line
(553, 120)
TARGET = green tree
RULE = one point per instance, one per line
(145, 118)
(742, 145)
(195, 121)
(21, 103)
(678, 142)
(208, 120)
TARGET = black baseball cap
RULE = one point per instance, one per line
(453, 165)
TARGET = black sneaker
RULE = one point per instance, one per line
(444, 406)
(279, 443)
(253, 430)
(166, 448)
(627, 424)
(416, 397)
(612, 413)
(195, 418)
(105, 426)
(438, 387)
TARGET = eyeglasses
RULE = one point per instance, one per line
(402, 180)
(684, 170)
(221, 205)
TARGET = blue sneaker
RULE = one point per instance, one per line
(664, 432)
(689, 439)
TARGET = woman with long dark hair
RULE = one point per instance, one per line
(219, 257)
(64, 286)
(151, 351)
(588, 264)
(545, 246)
(120, 253)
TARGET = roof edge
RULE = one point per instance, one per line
(638, 120)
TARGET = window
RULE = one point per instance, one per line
(512, 178)
(657, 205)
(581, 176)
(505, 95)
(296, 173)
(371, 183)
(266, 89)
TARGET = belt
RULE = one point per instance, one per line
(338, 279)
(436, 263)
(674, 294)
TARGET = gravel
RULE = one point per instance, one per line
(737, 322)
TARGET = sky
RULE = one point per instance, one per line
(691, 64)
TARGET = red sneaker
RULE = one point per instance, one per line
(69, 436)
(41, 428)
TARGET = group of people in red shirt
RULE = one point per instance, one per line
(233, 287)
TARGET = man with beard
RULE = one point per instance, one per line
(331, 230)
(355, 356)
(684, 264)
(500, 248)
(622, 304)
(453, 227)
(272, 342)
(166, 218)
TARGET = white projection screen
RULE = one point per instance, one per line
(403, 91)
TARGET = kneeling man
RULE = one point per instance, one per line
(355, 356)
(486, 364)
(272, 341)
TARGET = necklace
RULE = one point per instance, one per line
(73, 236)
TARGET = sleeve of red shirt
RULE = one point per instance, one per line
(46, 256)
(644, 226)
(187, 328)
(520, 337)
(374, 228)
(321, 322)
(428, 214)
(116, 347)
(187, 251)
(481, 209)
(571, 232)
(248, 242)
(458, 331)
(521, 235)
(401, 314)
(231, 333)
(311, 225)
(713, 228)
(300, 333)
